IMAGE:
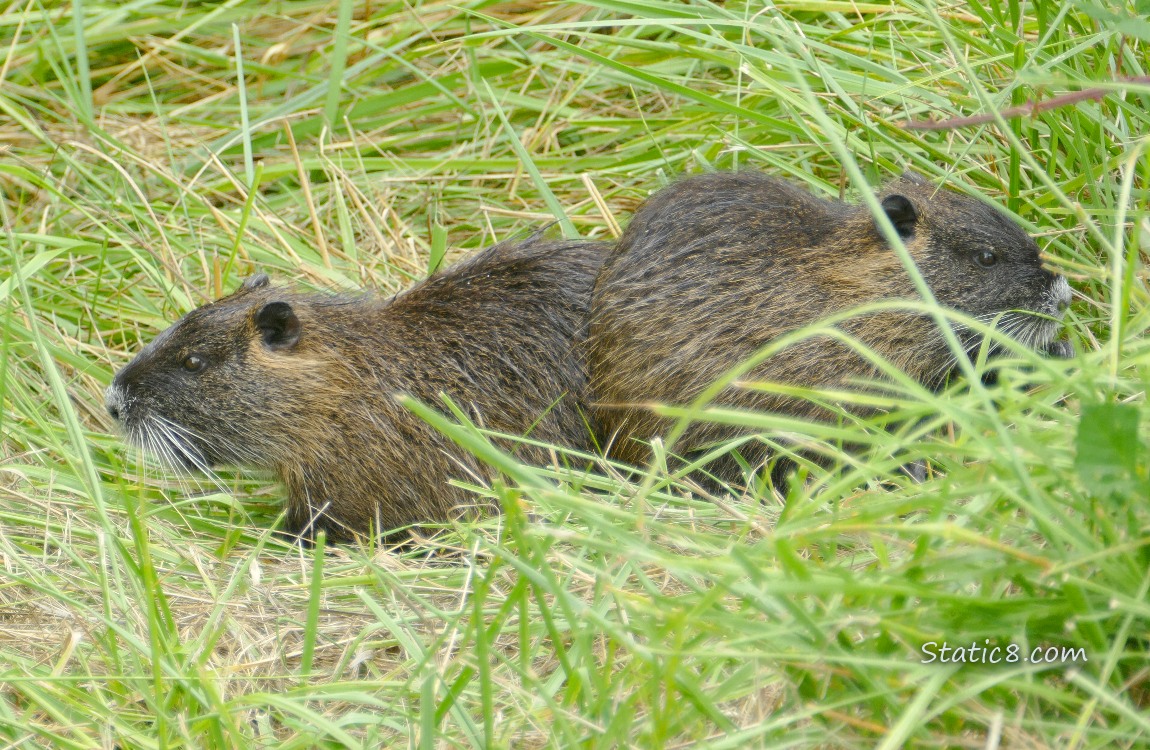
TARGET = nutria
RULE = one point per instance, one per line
(304, 384)
(714, 267)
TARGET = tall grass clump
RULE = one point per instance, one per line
(156, 152)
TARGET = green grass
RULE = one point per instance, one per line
(143, 609)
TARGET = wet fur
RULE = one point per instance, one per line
(501, 333)
(714, 267)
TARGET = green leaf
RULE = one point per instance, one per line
(1107, 448)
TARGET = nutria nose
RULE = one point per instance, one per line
(113, 403)
(1061, 294)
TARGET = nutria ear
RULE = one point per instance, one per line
(278, 324)
(255, 281)
(915, 177)
(901, 213)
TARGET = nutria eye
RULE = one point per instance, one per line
(194, 363)
(986, 258)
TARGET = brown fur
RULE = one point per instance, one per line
(715, 267)
(305, 384)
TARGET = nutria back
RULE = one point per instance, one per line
(305, 384)
(713, 268)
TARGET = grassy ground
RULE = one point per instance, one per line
(155, 152)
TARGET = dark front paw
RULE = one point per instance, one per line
(1060, 349)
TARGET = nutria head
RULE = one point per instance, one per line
(977, 260)
(221, 385)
